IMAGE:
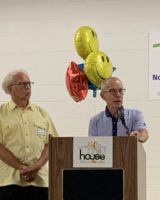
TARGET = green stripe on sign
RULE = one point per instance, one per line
(156, 45)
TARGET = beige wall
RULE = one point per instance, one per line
(38, 36)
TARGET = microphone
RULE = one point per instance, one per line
(121, 116)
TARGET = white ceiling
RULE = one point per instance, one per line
(49, 1)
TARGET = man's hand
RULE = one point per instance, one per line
(29, 172)
(141, 135)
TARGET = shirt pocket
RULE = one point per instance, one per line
(41, 130)
(9, 131)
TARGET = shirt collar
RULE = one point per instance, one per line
(108, 113)
(13, 106)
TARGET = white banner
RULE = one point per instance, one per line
(154, 65)
(93, 152)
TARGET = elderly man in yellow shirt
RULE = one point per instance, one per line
(24, 131)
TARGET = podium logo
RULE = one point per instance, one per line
(93, 152)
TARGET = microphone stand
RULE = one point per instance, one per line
(122, 118)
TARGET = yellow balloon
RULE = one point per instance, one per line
(97, 67)
(86, 41)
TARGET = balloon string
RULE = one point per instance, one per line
(94, 93)
(94, 105)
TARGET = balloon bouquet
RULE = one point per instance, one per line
(96, 68)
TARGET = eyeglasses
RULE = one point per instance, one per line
(113, 92)
(23, 84)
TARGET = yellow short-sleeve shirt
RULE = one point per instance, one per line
(24, 133)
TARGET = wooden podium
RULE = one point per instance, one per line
(128, 154)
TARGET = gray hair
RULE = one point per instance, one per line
(104, 83)
(9, 79)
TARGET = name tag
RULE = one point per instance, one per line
(41, 131)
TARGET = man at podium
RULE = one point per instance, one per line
(116, 120)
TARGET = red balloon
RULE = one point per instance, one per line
(76, 82)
